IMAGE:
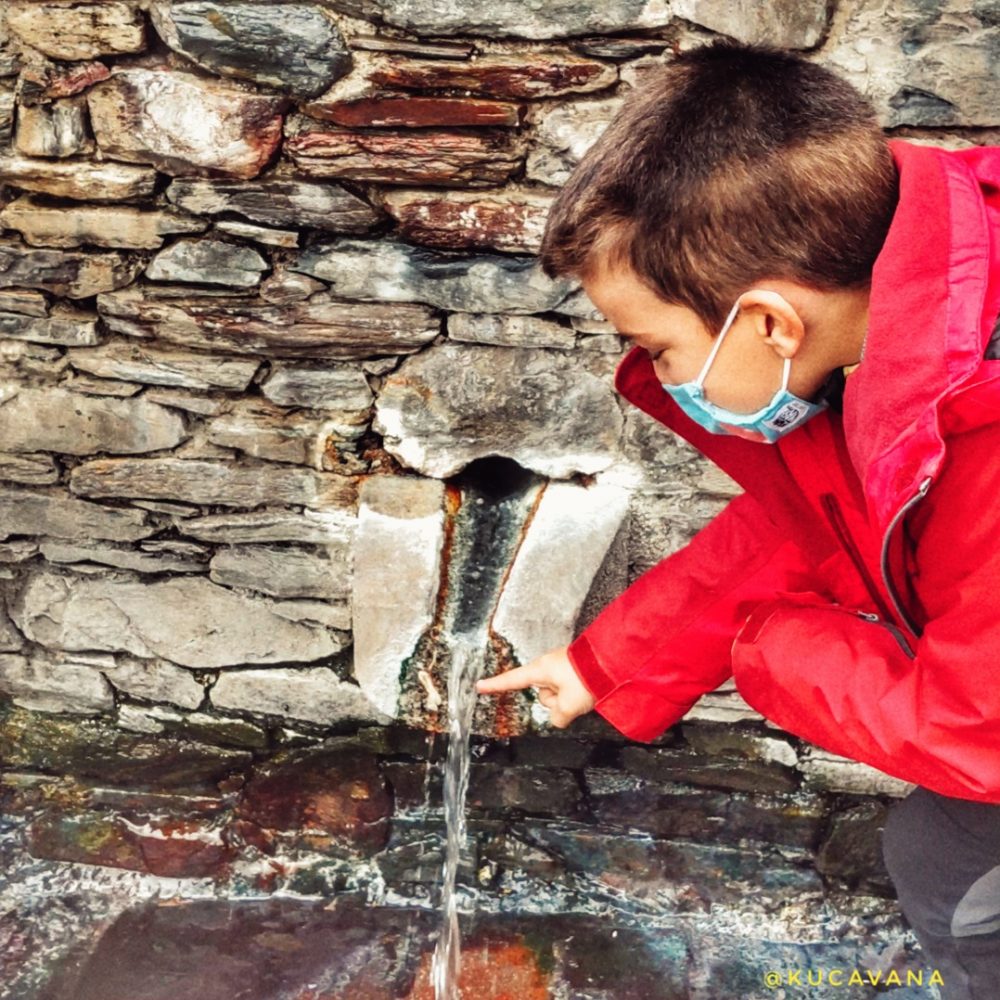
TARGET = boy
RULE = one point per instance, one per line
(811, 307)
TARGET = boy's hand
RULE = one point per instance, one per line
(559, 686)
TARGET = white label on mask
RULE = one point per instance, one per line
(789, 414)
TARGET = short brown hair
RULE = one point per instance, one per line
(731, 164)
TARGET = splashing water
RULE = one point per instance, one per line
(467, 662)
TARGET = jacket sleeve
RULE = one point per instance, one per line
(930, 715)
(666, 640)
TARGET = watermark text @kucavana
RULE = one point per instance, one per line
(776, 978)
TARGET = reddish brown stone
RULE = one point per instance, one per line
(45, 83)
(438, 157)
(536, 74)
(511, 221)
(416, 112)
(326, 800)
(175, 848)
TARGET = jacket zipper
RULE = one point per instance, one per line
(884, 561)
(897, 632)
(836, 518)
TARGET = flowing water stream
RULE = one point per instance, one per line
(466, 667)
(497, 497)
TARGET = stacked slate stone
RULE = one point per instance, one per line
(267, 287)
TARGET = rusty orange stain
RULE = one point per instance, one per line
(503, 713)
(491, 970)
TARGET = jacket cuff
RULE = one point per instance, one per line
(638, 715)
(592, 674)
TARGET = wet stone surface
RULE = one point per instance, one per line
(313, 872)
(72, 932)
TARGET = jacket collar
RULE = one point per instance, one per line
(927, 333)
(925, 324)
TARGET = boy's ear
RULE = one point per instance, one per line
(774, 319)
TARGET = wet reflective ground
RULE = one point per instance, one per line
(90, 932)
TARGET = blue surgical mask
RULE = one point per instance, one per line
(782, 414)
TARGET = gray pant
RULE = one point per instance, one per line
(943, 855)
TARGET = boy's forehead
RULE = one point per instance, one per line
(628, 303)
(615, 290)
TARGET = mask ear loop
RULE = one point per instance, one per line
(718, 343)
(784, 374)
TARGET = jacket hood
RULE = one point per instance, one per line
(935, 294)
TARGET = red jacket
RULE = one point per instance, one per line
(853, 589)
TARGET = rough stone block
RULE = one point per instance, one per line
(790, 24)
(284, 570)
(397, 554)
(928, 64)
(184, 124)
(562, 550)
(322, 327)
(416, 112)
(563, 133)
(209, 262)
(147, 363)
(100, 225)
(330, 387)
(29, 512)
(80, 180)
(311, 694)
(121, 557)
(510, 331)
(167, 846)
(78, 30)
(73, 274)
(54, 684)
(295, 47)
(559, 19)
(511, 221)
(541, 791)
(58, 129)
(446, 157)
(453, 404)
(278, 200)
(327, 799)
(510, 75)
(332, 527)
(97, 749)
(56, 420)
(64, 325)
(391, 271)
(189, 621)
(831, 772)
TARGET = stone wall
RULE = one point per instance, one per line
(280, 377)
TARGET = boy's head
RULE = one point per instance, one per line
(735, 169)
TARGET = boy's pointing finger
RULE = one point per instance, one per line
(509, 680)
